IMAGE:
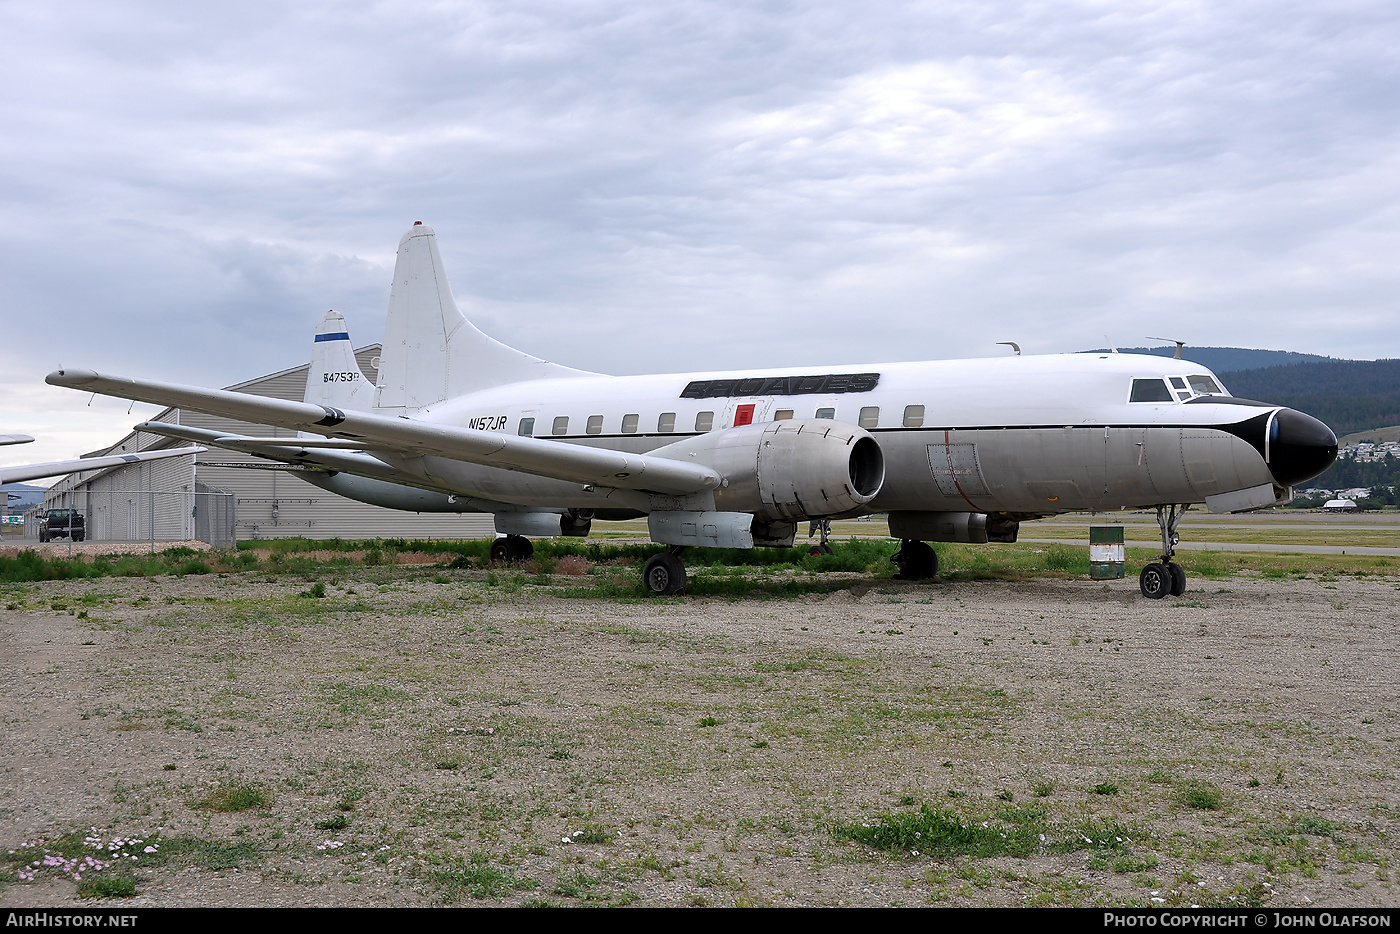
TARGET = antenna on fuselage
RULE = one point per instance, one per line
(1012, 344)
(1111, 346)
(1179, 345)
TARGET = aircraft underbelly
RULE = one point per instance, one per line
(1042, 470)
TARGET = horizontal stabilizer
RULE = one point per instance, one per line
(553, 459)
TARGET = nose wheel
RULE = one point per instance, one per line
(1164, 577)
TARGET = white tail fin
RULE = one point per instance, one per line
(335, 379)
(431, 351)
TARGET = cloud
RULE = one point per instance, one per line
(630, 186)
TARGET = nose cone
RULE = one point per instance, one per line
(1300, 447)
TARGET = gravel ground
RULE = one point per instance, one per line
(448, 730)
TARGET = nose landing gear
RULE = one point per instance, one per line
(1161, 578)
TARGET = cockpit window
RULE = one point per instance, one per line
(1204, 386)
(1178, 382)
(1150, 390)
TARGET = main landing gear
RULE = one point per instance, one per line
(1161, 578)
(510, 549)
(664, 574)
(915, 560)
(823, 526)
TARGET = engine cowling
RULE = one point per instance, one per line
(794, 469)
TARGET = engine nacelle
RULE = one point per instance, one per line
(794, 469)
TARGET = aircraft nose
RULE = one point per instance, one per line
(1300, 447)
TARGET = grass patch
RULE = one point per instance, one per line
(1200, 795)
(939, 832)
(233, 796)
(477, 878)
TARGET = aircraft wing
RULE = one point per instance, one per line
(561, 461)
(55, 468)
(15, 439)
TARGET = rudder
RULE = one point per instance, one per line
(431, 351)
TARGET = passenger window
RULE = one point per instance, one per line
(913, 416)
(629, 424)
(595, 424)
(826, 413)
(782, 415)
(561, 425)
(1150, 390)
(704, 421)
(869, 416)
(527, 427)
(667, 422)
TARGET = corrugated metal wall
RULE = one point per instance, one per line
(268, 503)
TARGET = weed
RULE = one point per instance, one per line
(1200, 795)
(1106, 788)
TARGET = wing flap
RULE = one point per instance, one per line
(560, 461)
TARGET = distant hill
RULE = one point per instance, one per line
(1349, 395)
(29, 495)
(1225, 359)
(1375, 435)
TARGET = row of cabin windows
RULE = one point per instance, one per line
(705, 421)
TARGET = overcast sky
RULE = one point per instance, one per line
(649, 186)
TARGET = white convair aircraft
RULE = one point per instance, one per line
(958, 450)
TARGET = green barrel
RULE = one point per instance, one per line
(1105, 552)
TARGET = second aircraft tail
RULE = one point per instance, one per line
(335, 379)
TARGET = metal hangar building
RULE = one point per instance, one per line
(219, 493)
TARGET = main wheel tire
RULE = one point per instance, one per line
(663, 575)
(1155, 581)
(1178, 579)
(816, 551)
(916, 561)
(521, 548)
(501, 551)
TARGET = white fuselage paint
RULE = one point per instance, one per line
(1024, 434)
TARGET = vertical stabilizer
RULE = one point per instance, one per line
(335, 378)
(431, 351)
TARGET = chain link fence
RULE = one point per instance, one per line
(156, 516)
